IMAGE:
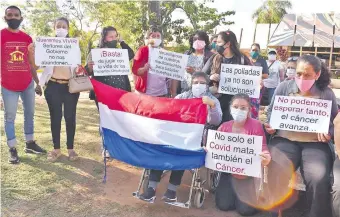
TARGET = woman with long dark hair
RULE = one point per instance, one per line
(110, 39)
(57, 95)
(228, 53)
(199, 53)
(308, 150)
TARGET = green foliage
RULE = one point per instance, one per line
(272, 11)
(132, 19)
(178, 49)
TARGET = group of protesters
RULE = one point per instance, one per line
(305, 76)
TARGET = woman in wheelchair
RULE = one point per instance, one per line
(225, 197)
(199, 89)
(309, 151)
(336, 168)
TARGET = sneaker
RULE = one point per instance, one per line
(149, 195)
(13, 156)
(170, 196)
(33, 148)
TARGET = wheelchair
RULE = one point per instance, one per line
(196, 194)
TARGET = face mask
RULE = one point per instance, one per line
(155, 42)
(213, 89)
(254, 54)
(220, 49)
(198, 45)
(271, 57)
(198, 90)
(213, 45)
(62, 33)
(291, 73)
(238, 114)
(13, 23)
(111, 44)
(304, 85)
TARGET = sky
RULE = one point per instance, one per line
(245, 8)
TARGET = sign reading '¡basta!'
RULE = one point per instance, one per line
(110, 61)
(240, 79)
(301, 114)
(234, 153)
(55, 51)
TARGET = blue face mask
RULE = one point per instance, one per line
(254, 54)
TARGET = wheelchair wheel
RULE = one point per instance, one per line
(199, 198)
(214, 180)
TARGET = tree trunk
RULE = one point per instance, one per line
(154, 13)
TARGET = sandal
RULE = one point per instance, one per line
(53, 156)
(72, 155)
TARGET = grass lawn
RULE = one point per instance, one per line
(37, 188)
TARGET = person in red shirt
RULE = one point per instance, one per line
(17, 73)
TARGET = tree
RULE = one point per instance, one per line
(271, 11)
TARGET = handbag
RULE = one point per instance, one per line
(79, 83)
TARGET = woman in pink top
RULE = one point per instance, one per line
(225, 197)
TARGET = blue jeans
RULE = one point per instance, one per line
(10, 100)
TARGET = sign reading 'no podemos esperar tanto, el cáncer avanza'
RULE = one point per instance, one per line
(53, 51)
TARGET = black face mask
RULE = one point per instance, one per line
(220, 49)
(13, 23)
(111, 44)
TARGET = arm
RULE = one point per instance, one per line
(214, 113)
(140, 63)
(207, 67)
(173, 87)
(130, 51)
(89, 64)
(282, 73)
(334, 112)
(265, 70)
(34, 75)
(337, 134)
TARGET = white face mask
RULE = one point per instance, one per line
(291, 73)
(156, 42)
(271, 57)
(238, 114)
(198, 90)
(61, 32)
(213, 89)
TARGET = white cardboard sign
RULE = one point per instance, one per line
(301, 114)
(54, 51)
(234, 153)
(110, 61)
(240, 79)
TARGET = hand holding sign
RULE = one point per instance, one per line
(269, 129)
(208, 101)
(324, 137)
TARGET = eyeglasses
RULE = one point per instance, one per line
(293, 58)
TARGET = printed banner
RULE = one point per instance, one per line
(109, 61)
(167, 64)
(240, 79)
(57, 51)
(301, 114)
(234, 153)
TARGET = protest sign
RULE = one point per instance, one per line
(240, 79)
(109, 61)
(234, 153)
(300, 114)
(167, 64)
(57, 51)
